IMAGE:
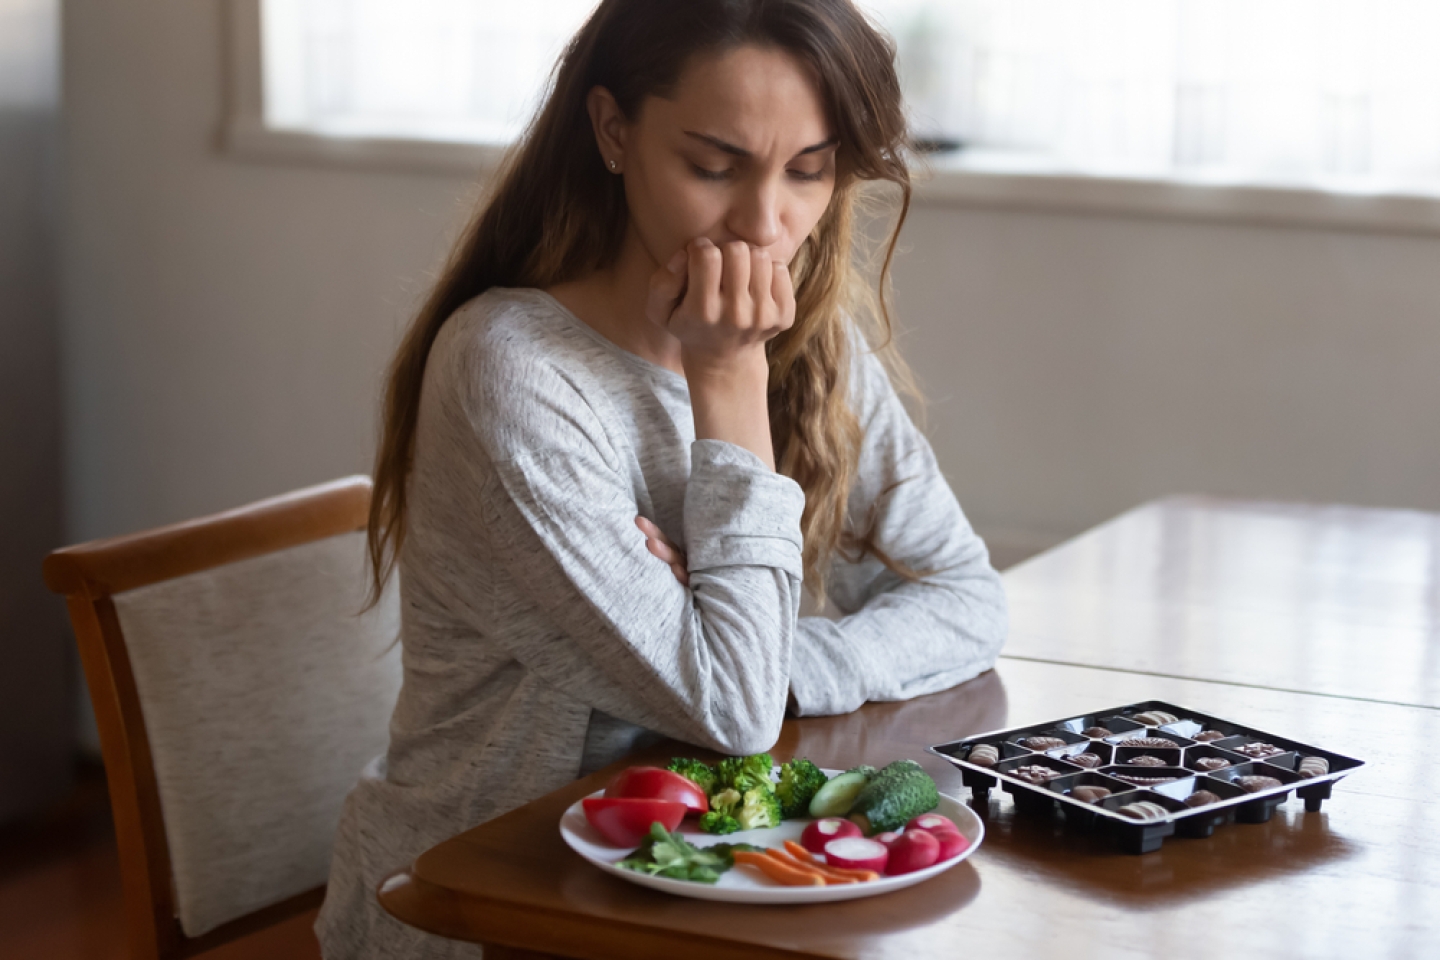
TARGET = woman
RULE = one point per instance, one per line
(651, 313)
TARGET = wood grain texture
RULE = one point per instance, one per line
(1352, 880)
(1321, 599)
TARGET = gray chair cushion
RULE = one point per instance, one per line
(264, 696)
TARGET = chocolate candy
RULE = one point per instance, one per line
(1142, 810)
(1205, 736)
(1255, 784)
(984, 755)
(1085, 759)
(1042, 743)
(1211, 763)
(1146, 760)
(1035, 774)
(1201, 798)
(1095, 733)
(1313, 767)
(1154, 718)
(1259, 751)
(1090, 794)
(1143, 781)
(1149, 742)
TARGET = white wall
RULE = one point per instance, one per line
(226, 324)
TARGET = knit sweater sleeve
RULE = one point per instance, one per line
(900, 639)
(707, 663)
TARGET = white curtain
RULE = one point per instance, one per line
(1344, 93)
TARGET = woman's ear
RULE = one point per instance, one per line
(609, 124)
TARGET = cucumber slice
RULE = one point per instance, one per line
(838, 794)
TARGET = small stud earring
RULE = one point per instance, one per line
(613, 165)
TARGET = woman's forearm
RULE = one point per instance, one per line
(729, 400)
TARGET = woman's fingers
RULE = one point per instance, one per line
(761, 272)
(667, 289)
(659, 545)
(782, 291)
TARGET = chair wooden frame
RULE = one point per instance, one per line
(87, 575)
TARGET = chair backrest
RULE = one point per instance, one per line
(239, 692)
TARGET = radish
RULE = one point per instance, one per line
(943, 829)
(821, 832)
(952, 842)
(933, 822)
(856, 853)
(886, 838)
(914, 850)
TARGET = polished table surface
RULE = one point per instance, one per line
(1361, 878)
(1319, 599)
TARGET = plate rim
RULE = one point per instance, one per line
(777, 895)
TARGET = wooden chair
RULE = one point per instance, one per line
(238, 696)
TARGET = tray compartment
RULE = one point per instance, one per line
(1126, 756)
(1202, 751)
(1051, 797)
(1097, 748)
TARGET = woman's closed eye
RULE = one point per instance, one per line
(705, 173)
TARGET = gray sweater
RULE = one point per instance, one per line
(542, 640)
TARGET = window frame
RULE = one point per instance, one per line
(978, 180)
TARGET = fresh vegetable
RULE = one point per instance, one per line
(800, 780)
(727, 801)
(697, 772)
(663, 854)
(741, 772)
(886, 838)
(914, 850)
(625, 821)
(820, 832)
(716, 822)
(856, 853)
(952, 841)
(866, 769)
(652, 783)
(760, 808)
(932, 822)
(832, 872)
(781, 872)
(898, 792)
(838, 793)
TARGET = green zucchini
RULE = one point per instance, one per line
(838, 793)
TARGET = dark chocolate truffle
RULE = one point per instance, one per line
(1145, 760)
(1313, 767)
(1255, 784)
(984, 755)
(1084, 759)
(1095, 733)
(1035, 774)
(1258, 750)
(1042, 743)
(1201, 798)
(1211, 763)
(1205, 736)
(1089, 793)
(1142, 810)
(1147, 742)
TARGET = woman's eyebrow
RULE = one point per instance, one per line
(733, 150)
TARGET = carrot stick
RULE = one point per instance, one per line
(790, 876)
(831, 873)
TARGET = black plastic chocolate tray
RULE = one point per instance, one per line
(1177, 770)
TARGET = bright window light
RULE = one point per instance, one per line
(1342, 94)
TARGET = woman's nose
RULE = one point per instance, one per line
(755, 218)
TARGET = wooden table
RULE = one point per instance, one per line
(1359, 879)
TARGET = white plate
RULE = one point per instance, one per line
(739, 885)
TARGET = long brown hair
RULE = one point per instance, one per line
(554, 214)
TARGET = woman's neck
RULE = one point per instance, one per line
(611, 301)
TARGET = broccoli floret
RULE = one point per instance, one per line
(714, 822)
(731, 770)
(701, 774)
(726, 802)
(760, 809)
(800, 780)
